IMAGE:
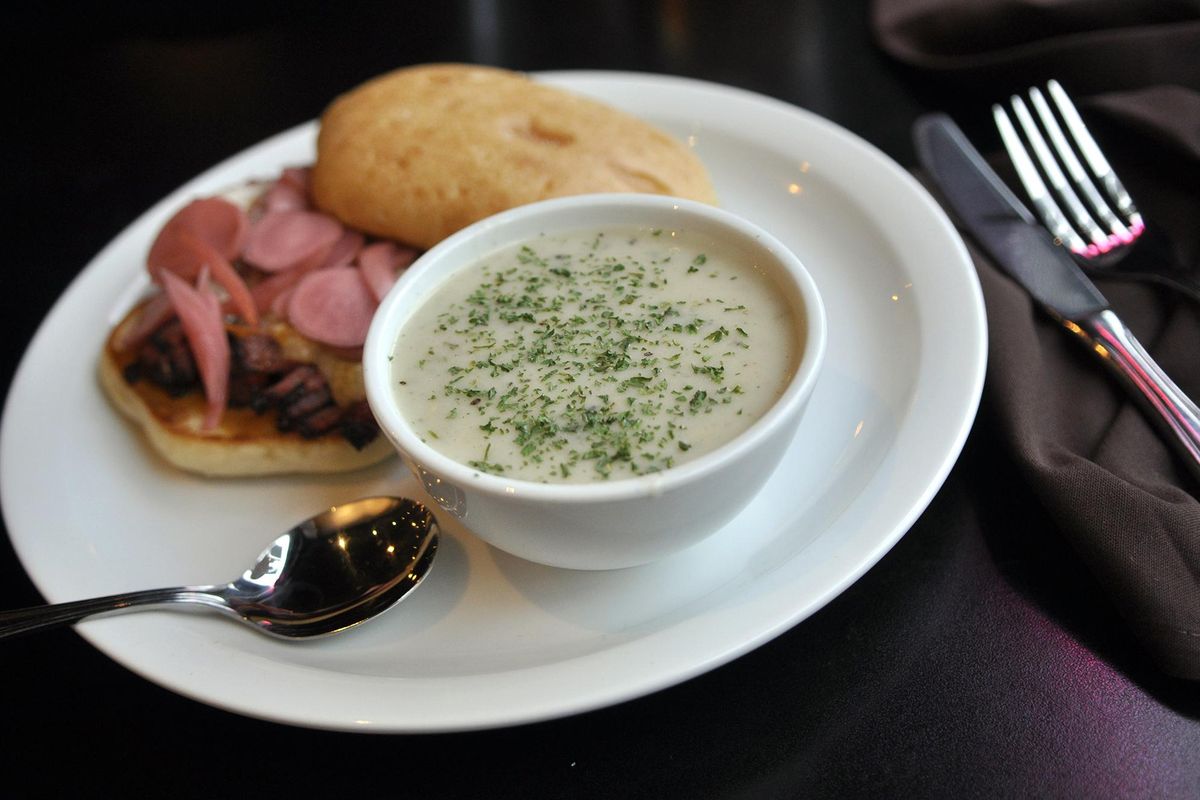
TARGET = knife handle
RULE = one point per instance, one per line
(1165, 403)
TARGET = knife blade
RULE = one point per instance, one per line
(1001, 223)
(1010, 235)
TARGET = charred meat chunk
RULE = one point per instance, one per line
(260, 378)
(256, 352)
(320, 422)
(358, 425)
(245, 387)
(165, 360)
(300, 393)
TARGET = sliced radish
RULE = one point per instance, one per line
(332, 306)
(283, 240)
(199, 311)
(380, 262)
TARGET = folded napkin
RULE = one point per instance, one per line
(1089, 45)
(1117, 492)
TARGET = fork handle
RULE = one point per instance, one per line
(1167, 406)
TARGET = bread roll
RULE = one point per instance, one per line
(421, 152)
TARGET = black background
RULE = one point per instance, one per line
(978, 658)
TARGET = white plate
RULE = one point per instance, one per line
(490, 640)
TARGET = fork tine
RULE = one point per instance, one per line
(1095, 158)
(1076, 209)
(1079, 176)
(1043, 202)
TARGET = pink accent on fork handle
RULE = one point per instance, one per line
(1172, 411)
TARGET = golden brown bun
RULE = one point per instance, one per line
(421, 152)
(244, 444)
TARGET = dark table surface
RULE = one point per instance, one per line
(978, 658)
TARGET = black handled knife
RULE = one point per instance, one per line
(1008, 232)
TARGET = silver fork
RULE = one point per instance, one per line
(1103, 228)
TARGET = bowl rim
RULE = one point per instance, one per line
(384, 328)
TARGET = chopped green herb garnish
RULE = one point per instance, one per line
(572, 361)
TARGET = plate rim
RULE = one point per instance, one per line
(780, 622)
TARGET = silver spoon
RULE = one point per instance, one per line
(328, 573)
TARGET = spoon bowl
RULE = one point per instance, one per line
(328, 573)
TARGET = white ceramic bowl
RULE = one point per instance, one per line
(605, 524)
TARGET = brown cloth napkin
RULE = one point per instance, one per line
(1089, 45)
(1113, 487)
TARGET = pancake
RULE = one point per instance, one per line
(243, 444)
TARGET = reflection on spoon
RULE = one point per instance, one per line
(328, 573)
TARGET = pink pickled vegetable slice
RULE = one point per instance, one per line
(332, 306)
(199, 311)
(380, 262)
(283, 240)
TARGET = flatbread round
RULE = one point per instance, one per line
(422, 152)
(244, 444)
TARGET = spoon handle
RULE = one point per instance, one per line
(25, 620)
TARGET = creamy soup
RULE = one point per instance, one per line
(595, 356)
